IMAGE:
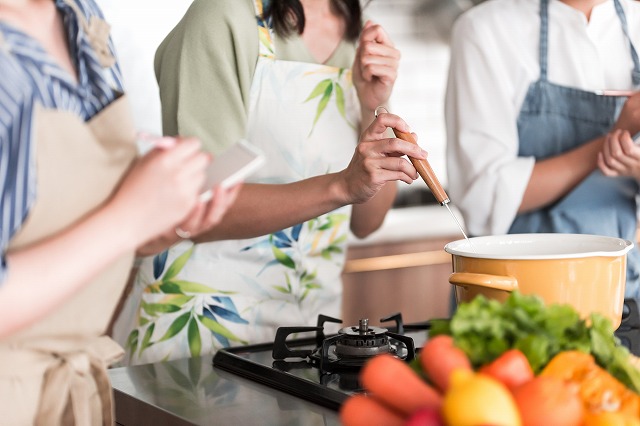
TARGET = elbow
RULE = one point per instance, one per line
(362, 233)
(363, 230)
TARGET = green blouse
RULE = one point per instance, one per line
(205, 68)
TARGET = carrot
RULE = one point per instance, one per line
(439, 357)
(361, 410)
(394, 383)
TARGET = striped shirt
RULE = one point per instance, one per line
(30, 76)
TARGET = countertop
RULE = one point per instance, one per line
(191, 391)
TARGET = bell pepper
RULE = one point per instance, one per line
(599, 390)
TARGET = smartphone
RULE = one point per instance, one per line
(231, 167)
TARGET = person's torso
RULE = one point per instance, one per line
(555, 119)
(305, 117)
(79, 149)
(585, 55)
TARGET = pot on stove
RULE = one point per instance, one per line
(585, 271)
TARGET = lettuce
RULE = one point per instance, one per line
(485, 328)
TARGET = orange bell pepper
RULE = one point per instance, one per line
(599, 390)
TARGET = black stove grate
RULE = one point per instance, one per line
(281, 375)
(303, 367)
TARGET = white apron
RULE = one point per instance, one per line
(193, 300)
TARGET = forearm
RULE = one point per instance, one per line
(261, 209)
(368, 217)
(555, 177)
(42, 276)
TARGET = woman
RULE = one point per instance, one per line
(527, 114)
(74, 207)
(283, 80)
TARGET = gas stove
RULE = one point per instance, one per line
(322, 369)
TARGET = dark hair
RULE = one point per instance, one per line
(288, 16)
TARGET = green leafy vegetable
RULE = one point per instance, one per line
(485, 328)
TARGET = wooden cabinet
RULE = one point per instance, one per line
(410, 277)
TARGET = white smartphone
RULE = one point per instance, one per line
(231, 167)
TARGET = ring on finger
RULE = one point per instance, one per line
(375, 112)
(182, 233)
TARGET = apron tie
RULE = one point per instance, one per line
(82, 377)
(76, 388)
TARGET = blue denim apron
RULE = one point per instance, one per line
(555, 119)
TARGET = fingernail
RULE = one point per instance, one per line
(424, 153)
(165, 142)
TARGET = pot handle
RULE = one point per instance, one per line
(496, 282)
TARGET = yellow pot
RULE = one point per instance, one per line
(585, 271)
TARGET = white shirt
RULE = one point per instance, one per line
(494, 59)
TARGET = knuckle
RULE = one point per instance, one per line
(362, 146)
(368, 165)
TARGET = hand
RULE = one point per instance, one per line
(629, 118)
(620, 156)
(161, 188)
(203, 217)
(377, 160)
(375, 67)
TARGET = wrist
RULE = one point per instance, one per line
(338, 189)
(126, 223)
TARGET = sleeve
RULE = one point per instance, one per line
(486, 177)
(205, 68)
(17, 178)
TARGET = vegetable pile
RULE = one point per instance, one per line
(504, 364)
(485, 328)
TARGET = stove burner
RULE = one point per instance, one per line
(350, 348)
(362, 341)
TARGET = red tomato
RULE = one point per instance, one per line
(511, 368)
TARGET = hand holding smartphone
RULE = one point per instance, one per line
(231, 167)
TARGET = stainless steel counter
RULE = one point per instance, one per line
(191, 391)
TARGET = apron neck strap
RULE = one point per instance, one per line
(265, 30)
(635, 74)
(544, 40)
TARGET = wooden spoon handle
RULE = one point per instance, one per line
(425, 171)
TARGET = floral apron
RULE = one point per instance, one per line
(193, 300)
(56, 368)
(555, 119)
